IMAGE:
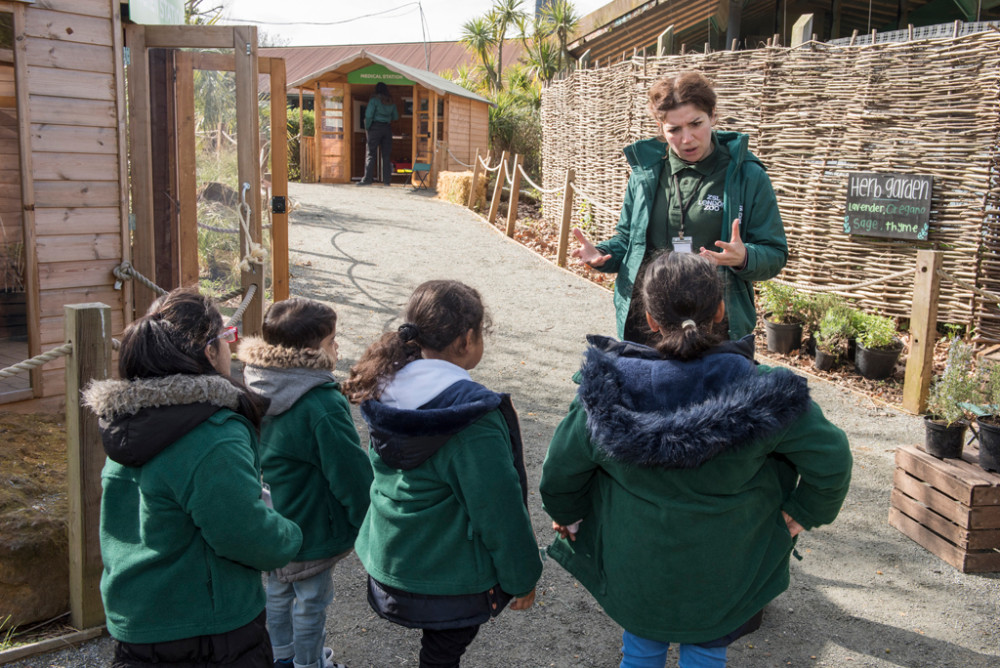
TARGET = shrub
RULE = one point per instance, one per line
(876, 331)
(957, 385)
(308, 120)
(835, 328)
(782, 304)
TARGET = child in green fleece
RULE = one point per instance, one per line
(312, 460)
(447, 541)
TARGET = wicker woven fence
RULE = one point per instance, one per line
(814, 114)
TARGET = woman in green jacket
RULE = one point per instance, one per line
(692, 190)
(447, 541)
(185, 531)
(379, 115)
(683, 473)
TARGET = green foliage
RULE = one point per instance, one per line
(516, 127)
(308, 120)
(815, 306)
(835, 328)
(957, 385)
(6, 634)
(782, 304)
(875, 331)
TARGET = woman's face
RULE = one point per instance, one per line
(688, 131)
(329, 344)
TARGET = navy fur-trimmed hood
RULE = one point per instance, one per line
(656, 412)
(406, 438)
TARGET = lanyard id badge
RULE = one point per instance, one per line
(681, 244)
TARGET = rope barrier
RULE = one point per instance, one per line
(509, 174)
(36, 361)
(534, 185)
(253, 252)
(592, 201)
(487, 167)
(991, 296)
(125, 271)
(455, 158)
(806, 287)
(238, 314)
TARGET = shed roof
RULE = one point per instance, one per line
(427, 79)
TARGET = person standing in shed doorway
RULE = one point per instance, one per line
(379, 115)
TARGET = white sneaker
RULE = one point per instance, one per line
(328, 661)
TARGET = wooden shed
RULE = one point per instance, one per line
(63, 188)
(441, 123)
(82, 191)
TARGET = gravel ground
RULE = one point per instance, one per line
(864, 594)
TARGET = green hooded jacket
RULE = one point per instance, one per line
(748, 196)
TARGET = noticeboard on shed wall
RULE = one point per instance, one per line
(888, 205)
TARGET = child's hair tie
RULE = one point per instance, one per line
(408, 332)
(689, 323)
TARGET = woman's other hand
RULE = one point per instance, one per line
(587, 253)
(794, 527)
(523, 602)
(734, 253)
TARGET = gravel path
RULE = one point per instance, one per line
(864, 594)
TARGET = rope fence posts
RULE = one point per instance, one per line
(88, 333)
(498, 189)
(477, 167)
(515, 190)
(923, 330)
(567, 215)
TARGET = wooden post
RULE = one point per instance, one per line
(923, 329)
(515, 195)
(803, 27)
(736, 43)
(187, 182)
(248, 162)
(88, 328)
(567, 215)
(279, 180)
(477, 169)
(498, 189)
(141, 146)
(958, 29)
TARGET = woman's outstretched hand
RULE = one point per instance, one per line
(523, 602)
(587, 253)
(734, 253)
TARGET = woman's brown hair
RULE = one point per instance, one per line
(686, 88)
(437, 314)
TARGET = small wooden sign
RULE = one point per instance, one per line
(888, 205)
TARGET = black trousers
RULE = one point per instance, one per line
(248, 646)
(379, 139)
(443, 649)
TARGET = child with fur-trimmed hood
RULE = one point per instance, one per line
(312, 460)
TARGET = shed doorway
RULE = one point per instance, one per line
(402, 133)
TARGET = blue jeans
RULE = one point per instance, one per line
(642, 653)
(296, 617)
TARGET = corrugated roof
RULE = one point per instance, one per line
(300, 61)
(358, 60)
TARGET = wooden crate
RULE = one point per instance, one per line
(949, 506)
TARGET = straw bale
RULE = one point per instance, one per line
(813, 115)
(454, 187)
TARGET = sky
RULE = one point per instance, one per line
(366, 21)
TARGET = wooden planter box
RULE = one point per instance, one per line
(949, 506)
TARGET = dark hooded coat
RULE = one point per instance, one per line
(679, 472)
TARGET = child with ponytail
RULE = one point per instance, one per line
(683, 473)
(447, 541)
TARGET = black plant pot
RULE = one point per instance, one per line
(877, 363)
(811, 345)
(824, 361)
(783, 337)
(852, 349)
(942, 440)
(989, 443)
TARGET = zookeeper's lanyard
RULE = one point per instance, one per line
(682, 243)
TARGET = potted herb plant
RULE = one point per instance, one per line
(946, 419)
(783, 318)
(814, 307)
(834, 330)
(988, 418)
(878, 347)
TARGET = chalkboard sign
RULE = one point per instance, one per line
(888, 205)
